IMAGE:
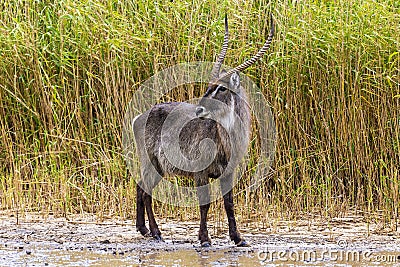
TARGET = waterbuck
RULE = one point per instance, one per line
(175, 139)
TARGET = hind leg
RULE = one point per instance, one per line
(155, 232)
(150, 178)
(140, 208)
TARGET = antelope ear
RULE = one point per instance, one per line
(234, 82)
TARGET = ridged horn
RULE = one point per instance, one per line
(260, 53)
(222, 54)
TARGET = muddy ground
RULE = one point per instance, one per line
(84, 241)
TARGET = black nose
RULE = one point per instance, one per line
(199, 110)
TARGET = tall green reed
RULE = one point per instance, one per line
(69, 68)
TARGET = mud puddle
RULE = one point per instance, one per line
(83, 241)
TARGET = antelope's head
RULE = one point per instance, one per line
(224, 92)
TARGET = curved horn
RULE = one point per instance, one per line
(260, 53)
(221, 57)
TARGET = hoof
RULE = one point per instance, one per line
(158, 238)
(206, 244)
(144, 231)
(243, 243)
(148, 234)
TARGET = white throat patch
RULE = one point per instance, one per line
(228, 120)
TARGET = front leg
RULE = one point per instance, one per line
(203, 194)
(226, 189)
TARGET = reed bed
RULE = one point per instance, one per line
(69, 68)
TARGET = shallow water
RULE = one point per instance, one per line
(52, 241)
(112, 256)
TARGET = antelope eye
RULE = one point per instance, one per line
(222, 89)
